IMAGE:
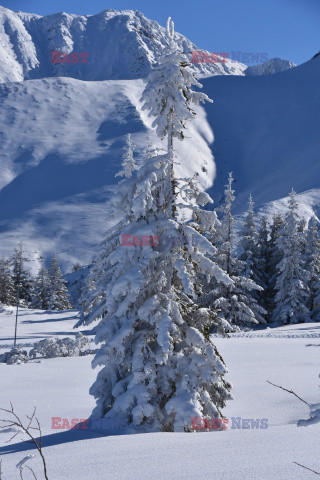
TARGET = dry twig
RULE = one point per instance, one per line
(33, 424)
(289, 391)
(317, 473)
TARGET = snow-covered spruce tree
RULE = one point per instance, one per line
(250, 245)
(312, 264)
(21, 276)
(274, 259)
(207, 223)
(292, 280)
(263, 261)
(128, 163)
(302, 230)
(236, 303)
(253, 269)
(93, 301)
(315, 313)
(42, 289)
(249, 236)
(168, 96)
(59, 297)
(160, 368)
(77, 284)
(7, 296)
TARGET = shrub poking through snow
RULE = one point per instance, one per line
(15, 356)
(64, 347)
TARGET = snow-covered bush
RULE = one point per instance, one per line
(64, 347)
(16, 355)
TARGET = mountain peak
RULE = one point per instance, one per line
(274, 65)
(117, 45)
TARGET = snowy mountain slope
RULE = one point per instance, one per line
(62, 139)
(274, 65)
(267, 132)
(117, 44)
(308, 205)
(59, 387)
(61, 145)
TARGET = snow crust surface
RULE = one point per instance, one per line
(59, 388)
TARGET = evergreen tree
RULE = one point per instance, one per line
(41, 294)
(315, 313)
(59, 298)
(236, 303)
(249, 236)
(128, 163)
(262, 262)
(168, 97)
(254, 267)
(160, 368)
(274, 259)
(93, 301)
(302, 230)
(21, 276)
(151, 325)
(249, 244)
(292, 279)
(7, 296)
(313, 267)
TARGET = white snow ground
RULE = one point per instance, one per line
(59, 388)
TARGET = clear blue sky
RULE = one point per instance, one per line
(289, 29)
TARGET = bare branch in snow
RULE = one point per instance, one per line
(32, 424)
(289, 391)
(317, 473)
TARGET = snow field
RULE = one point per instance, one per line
(59, 388)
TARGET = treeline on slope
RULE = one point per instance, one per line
(282, 257)
(274, 265)
(46, 291)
